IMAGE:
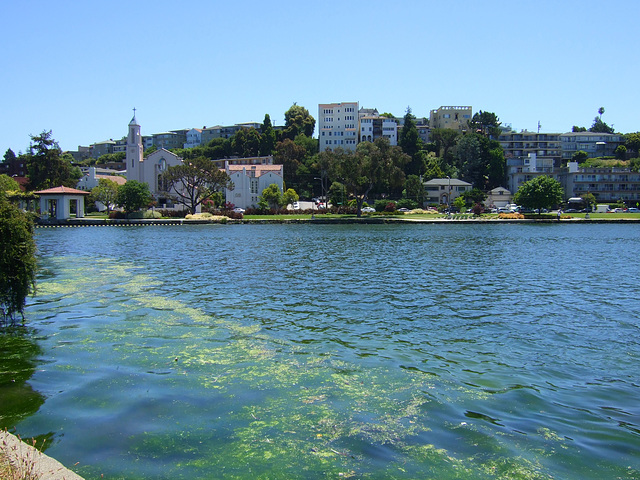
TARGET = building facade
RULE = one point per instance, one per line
(594, 144)
(194, 138)
(522, 144)
(443, 191)
(375, 126)
(249, 181)
(338, 126)
(607, 184)
(456, 118)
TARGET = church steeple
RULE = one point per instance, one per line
(134, 150)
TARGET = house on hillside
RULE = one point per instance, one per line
(443, 191)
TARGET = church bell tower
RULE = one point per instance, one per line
(134, 151)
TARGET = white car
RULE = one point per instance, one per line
(296, 206)
(238, 210)
(368, 209)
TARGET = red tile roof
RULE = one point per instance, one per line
(61, 190)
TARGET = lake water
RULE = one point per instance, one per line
(319, 351)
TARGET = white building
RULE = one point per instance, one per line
(374, 126)
(194, 138)
(338, 126)
(249, 181)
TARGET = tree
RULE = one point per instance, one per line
(433, 167)
(600, 112)
(580, 156)
(195, 181)
(8, 184)
(485, 123)
(267, 137)
(133, 195)
(459, 203)
(410, 142)
(600, 127)
(481, 161)
(9, 156)
(290, 155)
(271, 197)
(46, 166)
(632, 142)
(414, 189)
(289, 197)
(589, 199)
(575, 128)
(474, 196)
(297, 120)
(106, 192)
(621, 152)
(538, 193)
(17, 259)
(372, 164)
(337, 194)
(445, 139)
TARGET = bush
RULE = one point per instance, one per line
(117, 214)
(407, 203)
(170, 213)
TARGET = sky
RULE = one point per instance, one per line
(79, 68)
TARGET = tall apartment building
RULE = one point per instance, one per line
(521, 144)
(373, 126)
(607, 184)
(338, 126)
(456, 118)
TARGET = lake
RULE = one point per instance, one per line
(332, 351)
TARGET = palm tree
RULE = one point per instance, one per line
(601, 111)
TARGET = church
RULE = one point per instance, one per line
(149, 170)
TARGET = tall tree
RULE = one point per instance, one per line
(414, 189)
(271, 197)
(297, 120)
(632, 142)
(445, 139)
(195, 181)
(290, 155)
(485, 123)
(372, 164)
(411, 143)
(46, 166)
(600, 127)
(267, 137)
(9, 156)
(481, 161)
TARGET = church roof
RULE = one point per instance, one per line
(61, 190)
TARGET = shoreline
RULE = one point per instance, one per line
(85, 222)
(29, 462)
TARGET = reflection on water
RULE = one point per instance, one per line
(456, 351)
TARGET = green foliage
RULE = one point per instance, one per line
(459, 203)
(589, 199)
(634, 164)
(106, 192)
(486, 124)
(575, 128)
(290, 155)
(298, 120)
(290, 196)
(382, 205)
(433, 167)
(267, 137)
(337, 194)
(482, 161)
(414, 189)
(133, 195)
(600, 127)
(271, 197)
(540, 192)
(8, 184)
(9, 156)
(407, 203)
(580, 156)
(17, 259)
(195, 181)
(632, 141)
(46, 166)
(621, 152)
(411, 143)
(118, 157)
(474, 196)
(445, 139)
(150, 150)
(376, 164)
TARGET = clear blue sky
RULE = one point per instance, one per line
(79, 68)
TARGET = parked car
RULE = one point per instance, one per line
(296, 205)
(404, 210)
(238, 210)
(633, 210)
(368, 209)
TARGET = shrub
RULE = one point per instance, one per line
(117, 214)
(407, 203)
(171, 213)
(477, 209)
(511, 216)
